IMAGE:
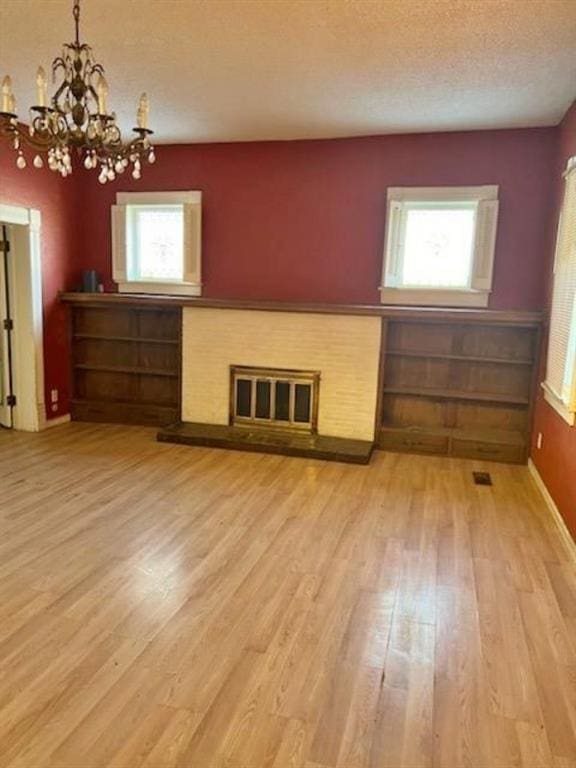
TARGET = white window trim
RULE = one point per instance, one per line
(562, 408)
(192, 286)
(158, 198)
(477, 296)
(559, 406)
(163, 289)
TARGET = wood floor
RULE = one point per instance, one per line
(162, 605)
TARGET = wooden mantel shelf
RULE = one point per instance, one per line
(433, 314)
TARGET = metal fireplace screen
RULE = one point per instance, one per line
(270, 397)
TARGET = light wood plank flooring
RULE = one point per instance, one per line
(162, 605)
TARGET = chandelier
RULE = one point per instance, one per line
(76, 119)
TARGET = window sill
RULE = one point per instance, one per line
(560, 407)
(434, 298)
(165, 289)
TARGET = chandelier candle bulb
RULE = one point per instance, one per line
(6, 94)
(102, 91)
(143, 111)
(41, 87)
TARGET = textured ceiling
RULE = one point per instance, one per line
(233, 70)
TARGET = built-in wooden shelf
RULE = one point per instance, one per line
(459, 358)
(126, 369)
(125, 412)
(126, 363)
(136, 339)
(487, 444)
(462, 387)
(453, 394)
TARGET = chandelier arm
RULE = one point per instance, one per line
(14, 130)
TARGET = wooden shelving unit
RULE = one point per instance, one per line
(458, 388)
(453, 382)
(126, 363)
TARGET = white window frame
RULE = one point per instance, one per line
(191, 284)
(564, 403)
(485, 198)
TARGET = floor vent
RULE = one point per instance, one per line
(482, 478)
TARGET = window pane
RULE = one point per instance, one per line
(302, 403)
(243, 397)
(438, 247)
(159, 243)
(561, 368)
(282, 401)
(262, 399)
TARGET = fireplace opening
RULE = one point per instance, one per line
(269, 397)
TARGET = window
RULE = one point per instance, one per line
(560, 384)
(440, 246)
(156, 242)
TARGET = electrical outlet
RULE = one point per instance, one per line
(539, 440)
(54, 407)
(54, 396)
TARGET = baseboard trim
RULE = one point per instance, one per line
(565, 534)
(57, 422)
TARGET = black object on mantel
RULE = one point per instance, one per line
(90, 281)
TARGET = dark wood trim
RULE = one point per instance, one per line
(129, 339)
(540, 350)
(454, 394)
(381, 369)
(432, 314)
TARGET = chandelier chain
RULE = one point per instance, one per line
(76, 14)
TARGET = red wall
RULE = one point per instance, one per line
(297, 221)
(56, 198)
(304, 220)
(556, 460)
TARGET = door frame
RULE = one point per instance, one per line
(29, 413)
(6, 416)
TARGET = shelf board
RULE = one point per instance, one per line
(462, 358)
(485, 435)
(454, 394)
(123, 401)
(137, 339)
(127, 369)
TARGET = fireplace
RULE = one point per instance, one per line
(274, 398)
(341, 351)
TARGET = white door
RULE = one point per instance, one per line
(5, 332)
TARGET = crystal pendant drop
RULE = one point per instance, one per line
(38, 162)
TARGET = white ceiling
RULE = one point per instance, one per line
(235, 70)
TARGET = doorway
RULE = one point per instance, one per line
(21, 321)
(7, 399)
